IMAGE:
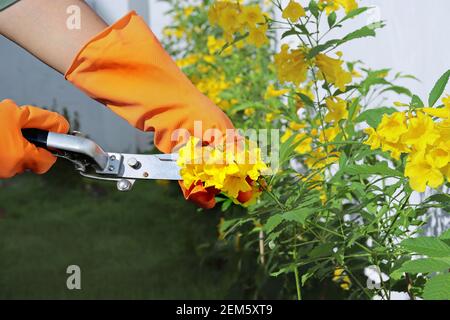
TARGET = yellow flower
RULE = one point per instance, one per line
(293, 11)
(374, 140)
(215, 45)
(269, 117)
(319, 159)
(172, 32)
(334, 5)
(249, 112)
(329, 134)
(392, 127)
(296, 126)
(188, 11)
(422, 172)
(228, 19)
(303, 139)
(291, 65)
(443, 113)
(439, 156)
(337, 109)
(421, 132)
(187, 61)
(272, 92)
(251, 15)
(333, 72)
(232, 173)
(258, 36)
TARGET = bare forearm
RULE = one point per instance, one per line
(40, 27)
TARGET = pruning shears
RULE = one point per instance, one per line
(91, 161)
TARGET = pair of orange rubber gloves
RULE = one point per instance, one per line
(126, 68)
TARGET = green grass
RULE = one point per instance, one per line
(138, 245)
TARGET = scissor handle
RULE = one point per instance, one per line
(36, 136)
(68, 143)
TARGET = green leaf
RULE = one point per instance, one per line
(306, 100)
(373, 116)
(323, 250)
(291, 32)
(354, 13)
(416, 102)
(438, 288)
(299, 215)
(322, 47)
(427, 265)
(367, 31)
(381, 168)
(273, 222)
(314, 8)
(399, 90)
(332, 19)
(438, 89)
(429, 246)
(445, 235)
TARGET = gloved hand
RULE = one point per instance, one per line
(16, 153)
(126, 68)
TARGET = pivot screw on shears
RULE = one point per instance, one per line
(124, 185)
(134, 163)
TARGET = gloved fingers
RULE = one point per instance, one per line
(36, 118)
(37, 159)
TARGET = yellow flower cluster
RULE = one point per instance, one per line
(233, 172)
(234, 18)
(425, 140)
(332, 71)
(334, 5)
(291, 65)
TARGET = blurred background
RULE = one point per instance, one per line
(149, 243)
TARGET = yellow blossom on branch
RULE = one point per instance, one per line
(333, 72)
(334, 5)
(232, 172)
(337, 109)
(293, 11)
(291, 65)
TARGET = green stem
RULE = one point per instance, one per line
(297, 277)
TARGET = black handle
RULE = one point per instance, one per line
(36, 136)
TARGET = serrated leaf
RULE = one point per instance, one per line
(299, 215)
(273, 222)
(429, 246)
(437, 288)
(438, 89)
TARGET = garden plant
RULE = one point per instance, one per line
(341, 212)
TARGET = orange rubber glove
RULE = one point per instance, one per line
(126, 68)
(16, 153)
